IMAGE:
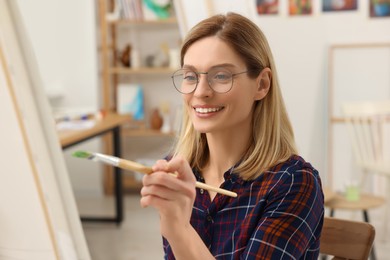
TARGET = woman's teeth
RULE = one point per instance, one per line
(207, 110)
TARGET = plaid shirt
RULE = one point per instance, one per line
(279, 215)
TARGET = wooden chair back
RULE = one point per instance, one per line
(346, 239)
(369, 130)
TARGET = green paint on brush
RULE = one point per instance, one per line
(82, 154)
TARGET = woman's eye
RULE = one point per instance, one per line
(222, 76)
(190, 76)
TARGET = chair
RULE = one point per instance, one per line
(366, 124)
(369, 128)
(346, 239)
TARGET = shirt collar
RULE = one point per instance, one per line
(229, 175)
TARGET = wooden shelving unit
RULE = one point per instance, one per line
(145, 133)
(141, 71)
(111, 71)
(168, 21)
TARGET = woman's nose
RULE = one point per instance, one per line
(203, 88)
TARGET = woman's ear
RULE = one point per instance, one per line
(263, 83)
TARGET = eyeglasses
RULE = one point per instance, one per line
(220, 80)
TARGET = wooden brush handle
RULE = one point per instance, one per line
(130, 165)
(133, 166)
(205, 186)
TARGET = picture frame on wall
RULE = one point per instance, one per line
(300, 7)
(379, 8)
(339, 5)
(267, 7)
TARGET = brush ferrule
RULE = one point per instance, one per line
(107, 159)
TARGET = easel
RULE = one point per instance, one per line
(40, 220)
(335, 118)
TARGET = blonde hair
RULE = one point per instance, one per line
(273, 137)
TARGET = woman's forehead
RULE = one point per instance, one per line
(211, 52)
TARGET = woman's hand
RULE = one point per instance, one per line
(173, 197)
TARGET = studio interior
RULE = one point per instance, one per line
(104, 70)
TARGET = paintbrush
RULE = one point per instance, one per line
(130, 165)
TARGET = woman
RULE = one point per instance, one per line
(235, 135)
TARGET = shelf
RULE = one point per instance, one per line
(139, 71)
(168, 21)
(146, 35)
(144, 132)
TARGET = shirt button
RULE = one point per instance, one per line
(209, 218)
(201, 191)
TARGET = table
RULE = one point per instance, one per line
(110, 123)
(335, 201)
(328, 194)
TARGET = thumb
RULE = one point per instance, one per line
(180, 167)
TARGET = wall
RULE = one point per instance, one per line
(299, 44)
(63, 35)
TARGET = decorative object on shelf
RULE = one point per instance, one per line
(116, 13)
(156, 121)
(160, 59)
(131, 100)
(125, 56)
(135, 59)
(157, 9)
(149, 60)
(174, 58)
(165, 111)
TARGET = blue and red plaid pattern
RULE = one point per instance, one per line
(279, 215)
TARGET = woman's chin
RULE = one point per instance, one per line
(202, 129)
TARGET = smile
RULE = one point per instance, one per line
(204, 110)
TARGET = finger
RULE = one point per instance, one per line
(181, 166)
(153, 201)
(160, 165)
(163, 179)
(170, 182)
(153, 195)
(164, 207)
(159, 191)
(159, 197)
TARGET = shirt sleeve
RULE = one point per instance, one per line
(291, 223)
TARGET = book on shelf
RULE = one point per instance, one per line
(141, 10)
(130, 100)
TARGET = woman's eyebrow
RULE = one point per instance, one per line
(223, 65)
(188, 67)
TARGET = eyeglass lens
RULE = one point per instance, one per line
(219, 79)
